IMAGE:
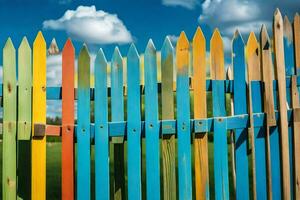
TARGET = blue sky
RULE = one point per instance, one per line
(107, 23)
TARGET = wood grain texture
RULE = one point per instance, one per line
(9, 178)
(38, 143)
(151, 124)
(117, 114)
(134, 125)
(24, 119)
(83, 127)
(219, 111)
(102, 178)
(280, 75)
(167, 107)
(296, 136)
(296, 26)
(67, 157)
(268, 96)
(200, 111)
(183, 118)
(240, 107)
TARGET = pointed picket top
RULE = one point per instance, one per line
(68, 45)
(217, 56)
(167, 45)
(253, 59)
(53, 48)
(100, 58)
(182, 54)
(39, 41)
(117, 58)
(24, 46)
(237, 39)
(198, 35)
(150, 48)
(229, 74)
(287, 29)
(132, 52)
(264, 37)
(84, 52)
(278, 18)
(9, 46)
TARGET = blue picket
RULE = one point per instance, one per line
(133, 124)
(151, 123)
(240, 107)
(183, 118)
(101, 128)
(83, 129)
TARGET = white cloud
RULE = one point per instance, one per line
(189, 4)
(91, 26)
(244, 15)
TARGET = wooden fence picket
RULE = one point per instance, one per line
(151, 123)
(272, 137)
(255, 91)
(134, 125)
(67, 157)
(83, 127)
(183, 118)
(102, 179)
(219, 112)
(167, 109)
(200, 111)
(38, 142)
(281, 84)
(117, 114)
(296, 131)
(240, 107)
(24, 119)
(9, 177)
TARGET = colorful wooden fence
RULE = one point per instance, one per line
(265, 119)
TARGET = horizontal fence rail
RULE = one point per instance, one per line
(173, 138)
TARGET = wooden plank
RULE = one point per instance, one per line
(258, 147)
(117, 114)
(151, 123)
(24, 119)
(280, 75)
(200, 111)
(9, 179)
(296, 136)
(67, 153)
(220, 133)
(296, 26)
(134, 125)
(83, 129)
(229, 76)
(240, 107)
(38, 143)
(183, 118)
(167, 107)
(102, 189)
(289, 71)
(269, 109)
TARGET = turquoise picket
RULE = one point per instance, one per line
(83, 127)
(240, 107)
(101, 129)
(259, 143)
(183, 118)
(133, 124)
(151, 124)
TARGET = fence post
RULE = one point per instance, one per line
(38, 145)
(102, 158)
(83, 127)
(220, 132)
(200, 111)
(67, 143)
(183, 118)
(9, 180)
(133, 124)
(151, 124)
